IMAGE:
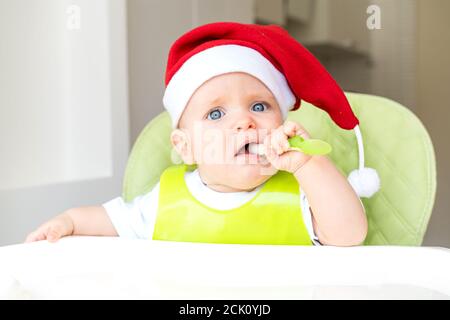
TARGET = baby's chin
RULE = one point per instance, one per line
(248, 177)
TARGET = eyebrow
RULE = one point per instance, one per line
(258, 96)
(215, 102)
(252, 97)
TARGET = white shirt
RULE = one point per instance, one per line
(136, 219)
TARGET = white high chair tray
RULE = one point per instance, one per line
(114, 268)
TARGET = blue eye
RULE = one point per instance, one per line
(215, 114)
(259, 107)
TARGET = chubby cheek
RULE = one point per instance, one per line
(210, 151)
(273, 122)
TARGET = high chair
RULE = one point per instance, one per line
(397, 146)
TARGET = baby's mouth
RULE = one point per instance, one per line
(250, 152)
(243, 150)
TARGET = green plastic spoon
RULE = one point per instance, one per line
(307, 146)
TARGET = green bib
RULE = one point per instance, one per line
(272, 216)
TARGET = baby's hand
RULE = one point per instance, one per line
(276, 147)
(52, 230)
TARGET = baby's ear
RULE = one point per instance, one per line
(182, 144)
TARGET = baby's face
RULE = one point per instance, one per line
(223, 115)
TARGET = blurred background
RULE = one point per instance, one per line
(80, 79)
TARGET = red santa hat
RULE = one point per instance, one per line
(271, 55)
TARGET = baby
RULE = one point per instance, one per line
(229, 85)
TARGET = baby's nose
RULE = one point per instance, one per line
(245, 123)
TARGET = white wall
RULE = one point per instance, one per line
(64, 135)
(55, 115)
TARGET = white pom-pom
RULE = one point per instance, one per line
(365, 182)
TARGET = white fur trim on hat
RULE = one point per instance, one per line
(220, 60)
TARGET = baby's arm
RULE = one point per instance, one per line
(76, 221)
(338, 215)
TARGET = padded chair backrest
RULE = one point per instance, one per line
(396, 144)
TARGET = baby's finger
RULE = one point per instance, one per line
(268, 150)
(35, 236)
(291, 128)
(279, 142)
(302, 132)
(54, 233)
(30, 238)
